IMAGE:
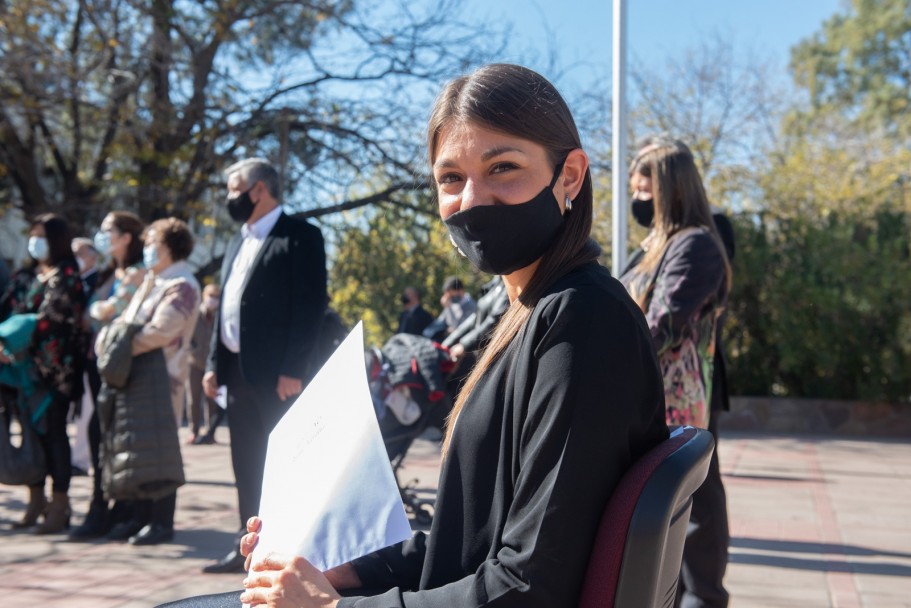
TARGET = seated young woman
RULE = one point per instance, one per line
(566, 396)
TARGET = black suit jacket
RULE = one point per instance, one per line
(282, 306)
(90, 282)
(414, 321)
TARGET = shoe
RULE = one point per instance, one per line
(192, 439)
(124, 530)
(206, 439)
(57, 518)
(233, 562)
(78, 471)
(97, 523)
(37, 506)
(152, 534)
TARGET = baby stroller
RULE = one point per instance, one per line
(407, 379)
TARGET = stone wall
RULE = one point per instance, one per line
(817, 416)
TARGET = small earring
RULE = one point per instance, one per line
(569, 204)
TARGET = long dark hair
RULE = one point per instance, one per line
(126, 223)
(59, 238)
(680, 201)
(519, 102)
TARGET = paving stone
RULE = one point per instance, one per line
(815, 522)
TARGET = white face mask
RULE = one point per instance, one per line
(81, 263)
(210, 303)
(38, 248)
(150, 256)
(103, 242)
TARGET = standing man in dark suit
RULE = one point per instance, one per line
(413, 318)
(273, 300)
(87, 258)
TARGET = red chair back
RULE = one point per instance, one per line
(637, 552)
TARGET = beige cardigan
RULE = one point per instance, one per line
(167, 305)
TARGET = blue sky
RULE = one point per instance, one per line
(579, 31)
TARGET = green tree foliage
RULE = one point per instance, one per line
(820, 307)
(382, 251)
(859, 63)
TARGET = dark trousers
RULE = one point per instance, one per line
(705, 554)
(56, 444)
(220, 600)
(95, 449)
(91, 369)
(160, 511)
(252, 414)
(231, 599)
(199, 405)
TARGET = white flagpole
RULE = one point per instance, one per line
(618, 161)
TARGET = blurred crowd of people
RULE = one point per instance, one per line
(117, 336)
(123, 340)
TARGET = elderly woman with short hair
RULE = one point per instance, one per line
(166, 306)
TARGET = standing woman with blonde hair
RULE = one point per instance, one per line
(681, 280)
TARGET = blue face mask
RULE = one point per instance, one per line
(150, 256)
(103, 242)
(37, 248)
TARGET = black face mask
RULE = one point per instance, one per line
(500, 239)
(643, 211)
(240, 208)
(404, 299)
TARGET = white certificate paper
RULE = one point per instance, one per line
(329, 494)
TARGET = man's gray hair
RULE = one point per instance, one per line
(254, 170)
(80, 241)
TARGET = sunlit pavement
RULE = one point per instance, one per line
(815, 522)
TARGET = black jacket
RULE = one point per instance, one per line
(720, 390)
(476, 329)
(282, 307)
(539, 447)
(414, 321)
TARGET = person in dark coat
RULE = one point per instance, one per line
(689, 275)
(273, 286)
(413, 319)
(569, 378)
(474, 332)
(87, 259)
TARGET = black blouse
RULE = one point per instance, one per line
(539, 447)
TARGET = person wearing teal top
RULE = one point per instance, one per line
(57, 351)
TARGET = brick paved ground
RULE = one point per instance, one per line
(816, 523)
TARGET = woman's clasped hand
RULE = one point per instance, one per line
(289, 581)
